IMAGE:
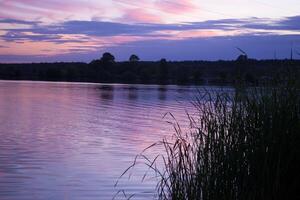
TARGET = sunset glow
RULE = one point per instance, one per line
(80, 30)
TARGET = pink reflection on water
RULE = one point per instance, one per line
(77, 139)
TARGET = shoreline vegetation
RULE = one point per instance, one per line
(240, 145)
(162, 72)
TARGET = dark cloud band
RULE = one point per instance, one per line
(102, 29)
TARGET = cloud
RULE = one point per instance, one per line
(155, 11)
(20, 36)
(65, 57)
(213, 48)
(51, 11)
(288, 24)
(90, 28)
(16, 21)
(174, 7)
(104, 29)
(140, 16)
(85, 36)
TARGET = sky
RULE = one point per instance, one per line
(82, 30)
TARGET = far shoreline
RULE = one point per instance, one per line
(163, 72)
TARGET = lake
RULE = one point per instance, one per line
(73, 140)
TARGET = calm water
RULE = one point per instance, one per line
(73, 141)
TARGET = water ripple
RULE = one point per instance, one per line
(73, 141)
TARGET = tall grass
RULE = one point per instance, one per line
(244, 145)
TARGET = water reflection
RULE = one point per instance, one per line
(162, 92)
(106, 92)
(72, 141)
(132, 93)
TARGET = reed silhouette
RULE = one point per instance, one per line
(241, 145)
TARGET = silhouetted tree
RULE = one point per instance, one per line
(197, 76)
(163, 70)
(223, 76)
(107, 58)
(163, 61)
(145, 74)
(182, 76)
(129, 77)
(134, 58)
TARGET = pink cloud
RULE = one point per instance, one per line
(50, 11)
(140, 15)
(150, 11)
(49, 48)
(176, 7)
(158, 11)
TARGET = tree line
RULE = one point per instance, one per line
(107, 70)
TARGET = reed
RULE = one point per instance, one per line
(242, 145)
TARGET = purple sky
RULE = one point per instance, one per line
(81, 30)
